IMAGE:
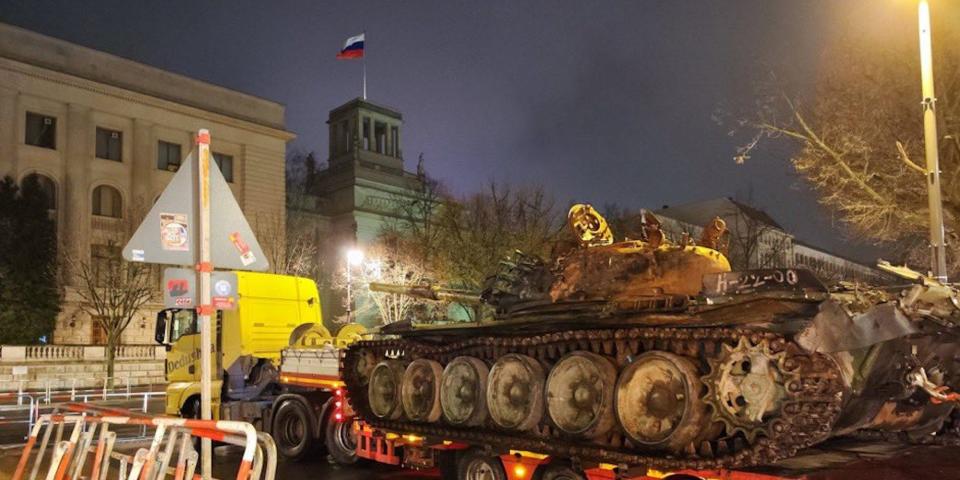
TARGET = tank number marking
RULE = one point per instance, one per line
(732, 283)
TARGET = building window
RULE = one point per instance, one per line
(344, 137)
(168, 156)
(109, 144)
(366, 133)
(41, 131)
(46, 185)
(380, 132)
(105, 264)
(107, 202)
(225, 162)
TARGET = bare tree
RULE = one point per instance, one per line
(482, 229)
(112, 291)
(860, 137)
(385, 262)
(413, 223)
(288, 250)
(754, 243)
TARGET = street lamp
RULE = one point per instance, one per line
(354, 258)
(938, 259)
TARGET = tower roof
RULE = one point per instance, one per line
(359, 103)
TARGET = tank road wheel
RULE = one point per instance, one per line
(383, 393)
(658, 401)
(463, 391)
(366, 361)
(580, 394)
(420, 391)
(515, 392)
(745, 385)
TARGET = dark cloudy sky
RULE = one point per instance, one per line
(597, 101)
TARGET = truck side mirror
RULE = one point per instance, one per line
(160, 333)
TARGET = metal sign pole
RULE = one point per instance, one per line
(937, 237)
(204, 309)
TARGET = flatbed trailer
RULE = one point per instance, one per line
(448, 457)
(842, 458)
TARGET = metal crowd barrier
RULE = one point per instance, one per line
(68, 458)
(30, 405)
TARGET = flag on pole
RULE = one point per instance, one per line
(352, 48)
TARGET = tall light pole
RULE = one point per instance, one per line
(938, 260)
(354, 258)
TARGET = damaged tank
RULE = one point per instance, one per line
(647, 352)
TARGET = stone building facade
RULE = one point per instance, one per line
(756, 240)
(105, 134)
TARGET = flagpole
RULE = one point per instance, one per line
(364, 64)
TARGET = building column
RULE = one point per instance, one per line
(141, 164)
(8, 132)
(76, 184)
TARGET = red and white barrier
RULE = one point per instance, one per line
(69, 457)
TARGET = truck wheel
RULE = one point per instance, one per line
(475, 465)
(292, 431)
(191, 409)
(341, 441)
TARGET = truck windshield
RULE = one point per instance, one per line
(183, 322)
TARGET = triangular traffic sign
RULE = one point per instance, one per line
(168, 234)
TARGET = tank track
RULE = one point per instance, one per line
(811, 406)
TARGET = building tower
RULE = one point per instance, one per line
(362, 189)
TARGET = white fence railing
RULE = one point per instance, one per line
(53, 353)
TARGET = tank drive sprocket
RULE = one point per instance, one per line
(745, 386)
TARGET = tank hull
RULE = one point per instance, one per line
(819, 396)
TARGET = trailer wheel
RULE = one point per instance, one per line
(292, 431)
(341, 440)
(475, 465)
(559, 472)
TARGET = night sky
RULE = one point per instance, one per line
(596, 101)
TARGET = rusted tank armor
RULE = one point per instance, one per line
(649, 353)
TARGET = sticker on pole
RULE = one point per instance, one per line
(246, 256)
(180, 291)
(178, 288)
(224, 294)
(174, 234)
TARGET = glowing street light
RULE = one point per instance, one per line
(354, 256)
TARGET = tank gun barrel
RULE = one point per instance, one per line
(428, 292)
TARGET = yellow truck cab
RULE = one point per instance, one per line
(272, 312)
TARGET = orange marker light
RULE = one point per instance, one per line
(519, 471)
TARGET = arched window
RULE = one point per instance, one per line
(107, 202)
(47, 186)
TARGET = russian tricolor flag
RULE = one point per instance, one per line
(352, 48)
